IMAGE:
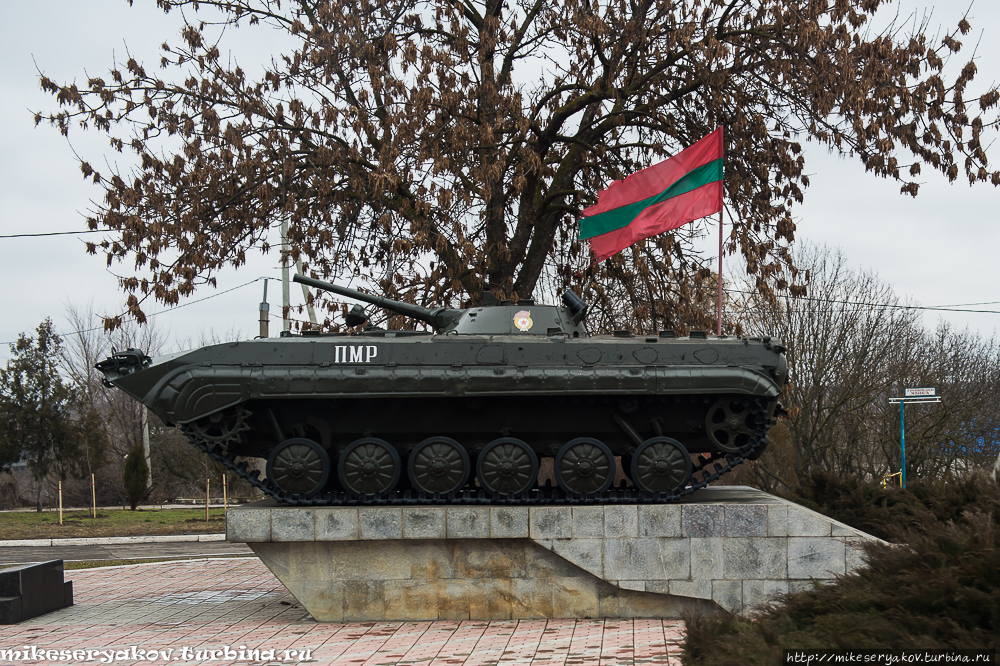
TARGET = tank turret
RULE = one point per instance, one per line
(495, 318)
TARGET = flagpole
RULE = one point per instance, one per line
(722, 195)
(718, 330)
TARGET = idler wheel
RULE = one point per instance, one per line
(369, 465)
(730, 424)
(438, 465)
(585, 465)
(661, 464)
(507, 465)
(299, 466)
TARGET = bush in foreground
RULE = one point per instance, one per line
(888, 512)
(938, 588)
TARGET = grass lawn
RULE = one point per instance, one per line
(32, 525)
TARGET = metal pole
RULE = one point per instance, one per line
(285, 298)
(93, 495)
(145, 447)
(264, 315)
(718, 330)
(225, 500)
(60, 502)
(305, 295)
(902, 444)
(208, 483)
(722, 206)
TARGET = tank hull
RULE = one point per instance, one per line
(330, 392)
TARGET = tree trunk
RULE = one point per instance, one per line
(38, 496)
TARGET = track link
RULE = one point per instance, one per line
(707, 468)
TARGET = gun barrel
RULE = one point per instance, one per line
(438, 318)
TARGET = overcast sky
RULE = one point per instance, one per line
(940, 248)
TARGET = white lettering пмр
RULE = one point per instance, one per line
(354, 353)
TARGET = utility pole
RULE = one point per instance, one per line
(286, 252)
(285, 323)
(305, 295)
(145, 446)
(264, 312)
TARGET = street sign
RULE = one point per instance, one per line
(921, 394)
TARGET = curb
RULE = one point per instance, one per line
(112, 541)
(178, 560)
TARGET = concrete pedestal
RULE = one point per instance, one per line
(728, 547)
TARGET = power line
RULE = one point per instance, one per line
(176, 307)
(956, 305)
(184, 305)
(55, 233)
(882, 306)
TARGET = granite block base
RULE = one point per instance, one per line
(730, 548)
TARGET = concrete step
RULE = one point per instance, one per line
(31, 590)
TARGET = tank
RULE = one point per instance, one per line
(471, 411)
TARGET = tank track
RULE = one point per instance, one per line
(709, 468)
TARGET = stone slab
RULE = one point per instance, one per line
(510, 522)
(554, 522)
(380, 523)
(660, 520)
(621, 522)
(816, 557)
(465, 522)
(424, 523)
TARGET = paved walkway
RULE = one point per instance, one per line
(200, 609)
(133, 551)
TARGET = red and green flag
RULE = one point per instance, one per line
(681, 189)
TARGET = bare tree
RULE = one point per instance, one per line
(852, 344)
(963, 430)
(432, 149)
(121, 416)
(87, 344)
(837, 341)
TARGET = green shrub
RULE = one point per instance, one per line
(888, 512)
(135, 476)
(939, 588)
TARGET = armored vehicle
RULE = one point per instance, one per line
(467, 412)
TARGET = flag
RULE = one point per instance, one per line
(683, 188)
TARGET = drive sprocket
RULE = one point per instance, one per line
(221, 428)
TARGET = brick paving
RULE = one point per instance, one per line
(198, 606)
